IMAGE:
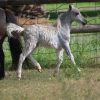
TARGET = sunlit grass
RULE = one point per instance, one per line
(43, 86)
(52, 7)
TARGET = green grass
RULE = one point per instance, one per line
(42, 86)
(7, 54)
(52, 7)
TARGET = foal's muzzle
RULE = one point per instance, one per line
(84, 22)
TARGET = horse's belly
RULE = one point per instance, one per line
(42, 44)
(49, 43)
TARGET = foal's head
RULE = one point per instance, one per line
(75, 15)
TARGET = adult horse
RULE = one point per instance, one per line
(7, 16)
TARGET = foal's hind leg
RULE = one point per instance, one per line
(59, 53)
(34, 62)
(26, 52)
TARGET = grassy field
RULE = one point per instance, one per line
(52, 7)
(69, 85)
(43, 86)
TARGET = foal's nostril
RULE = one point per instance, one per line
(85, 22)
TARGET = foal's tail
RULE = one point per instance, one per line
(14, 30)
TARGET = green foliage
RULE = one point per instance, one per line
(55, 9)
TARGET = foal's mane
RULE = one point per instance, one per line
(58, 22)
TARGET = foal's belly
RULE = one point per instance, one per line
(49, 43)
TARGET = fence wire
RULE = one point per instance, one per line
(85, 47)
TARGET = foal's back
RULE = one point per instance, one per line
(45, 35)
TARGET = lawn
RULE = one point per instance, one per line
(69, 85)
(63, 6)
(43, 86)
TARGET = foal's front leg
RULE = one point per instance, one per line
(59, 53)
(69, 53)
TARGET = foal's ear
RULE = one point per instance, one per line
(70, 7)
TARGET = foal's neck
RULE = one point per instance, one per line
(66, 22)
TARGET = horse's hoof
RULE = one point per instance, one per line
(55, 74)
(79, 70)
(40, 70)
(19, 78)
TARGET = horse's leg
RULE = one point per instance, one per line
(2, 71)
(2, 36)
(34, 62)
(15, 45)
(29, 47)
(70, 55)
(59, 53)
(15, 48)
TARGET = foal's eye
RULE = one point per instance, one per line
(76, 13)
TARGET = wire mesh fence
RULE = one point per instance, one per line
(85, 46)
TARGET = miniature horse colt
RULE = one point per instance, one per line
(50, 36)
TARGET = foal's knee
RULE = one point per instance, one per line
(22, 57)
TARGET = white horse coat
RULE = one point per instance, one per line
(49, 36)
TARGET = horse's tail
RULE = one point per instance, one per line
(14, 42)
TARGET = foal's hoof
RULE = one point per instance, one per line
(19, 78)
(79, 70)
(39, 70)
(55, 74)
